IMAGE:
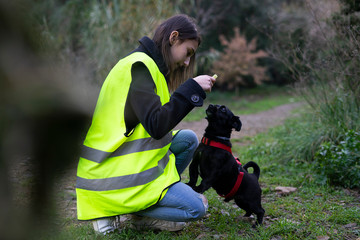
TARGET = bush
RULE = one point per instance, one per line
(237, 65)
(294, 142)
(338, 163)
(324, 63)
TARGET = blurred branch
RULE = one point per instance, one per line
(207, 13)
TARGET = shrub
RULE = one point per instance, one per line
(239, 61)
(339, 162)
(295, 141)
(324, 63)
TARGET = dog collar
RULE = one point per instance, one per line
(212, 143)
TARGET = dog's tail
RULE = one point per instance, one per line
(254, 166)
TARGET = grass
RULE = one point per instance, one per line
(314, 211)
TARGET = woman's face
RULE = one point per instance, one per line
(181, 52)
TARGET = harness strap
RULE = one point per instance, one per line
(240, 176)
(235, 188)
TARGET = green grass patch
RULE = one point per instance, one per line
(306, 214)
(315, 210)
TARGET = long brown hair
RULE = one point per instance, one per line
(187, 29)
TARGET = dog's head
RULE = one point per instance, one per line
(220, 118)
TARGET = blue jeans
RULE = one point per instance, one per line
(180, 203)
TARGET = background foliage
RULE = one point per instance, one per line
(338, 162)
(311, 44)
(98, 33)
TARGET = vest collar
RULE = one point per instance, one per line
(149, 47)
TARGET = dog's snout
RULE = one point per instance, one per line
(212, 107)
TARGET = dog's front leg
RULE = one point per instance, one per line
(202, 187)
(207, 181)
(194, 171)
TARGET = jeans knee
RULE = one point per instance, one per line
(192, 138)
(201, 208)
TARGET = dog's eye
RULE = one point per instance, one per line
(222, 109)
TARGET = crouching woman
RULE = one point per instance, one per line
(132, 159)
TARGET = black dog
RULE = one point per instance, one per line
(219, 169)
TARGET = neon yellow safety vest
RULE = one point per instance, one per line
(117, 174)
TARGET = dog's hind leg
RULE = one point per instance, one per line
(259, 216)
(251, 207)
(247, 214)
(259, 212)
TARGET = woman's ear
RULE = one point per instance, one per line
(173, 37)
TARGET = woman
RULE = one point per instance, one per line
(132, 160)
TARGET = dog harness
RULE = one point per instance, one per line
(240, 176)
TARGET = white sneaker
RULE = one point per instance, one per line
(105, 225)
(146, 223)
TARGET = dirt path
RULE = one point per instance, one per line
(252, 124)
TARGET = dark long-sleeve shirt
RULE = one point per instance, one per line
(143, 105)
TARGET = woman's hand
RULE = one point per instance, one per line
(205, 81)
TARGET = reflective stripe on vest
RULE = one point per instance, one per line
(133, 180)
(138, 145)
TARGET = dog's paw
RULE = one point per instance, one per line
(190, 184)
(197, 189)
(193, 186)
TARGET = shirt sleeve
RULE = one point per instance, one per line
(143, 105)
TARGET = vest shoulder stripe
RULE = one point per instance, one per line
(114, 183)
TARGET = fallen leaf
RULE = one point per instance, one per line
(292, 221)
(350, 225)
(221, 236)
(245, 219)
(285, 190)
(201, 236)
(322, 238)
(223, 212)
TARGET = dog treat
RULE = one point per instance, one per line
(215, 76)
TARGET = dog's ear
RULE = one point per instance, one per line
(236, 123)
